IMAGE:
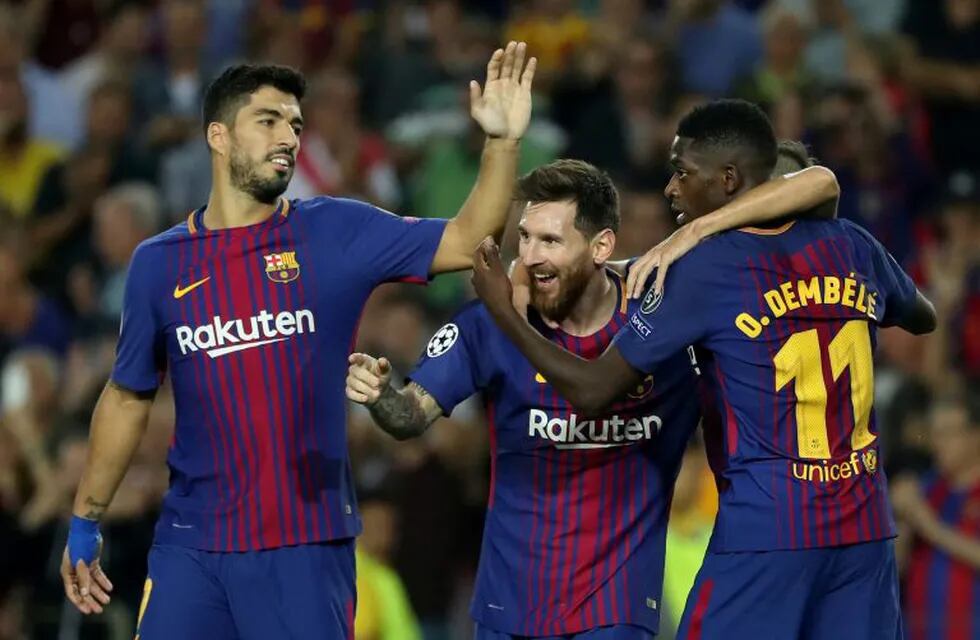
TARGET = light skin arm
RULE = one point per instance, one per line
(952, 541)
(913, 510)
(402, 413)
(503, 110)
(813, 189)
(118, 424)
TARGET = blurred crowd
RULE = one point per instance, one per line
(101, 147)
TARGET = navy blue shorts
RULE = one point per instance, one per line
(304, 591)
(611, 632)
(836, 593)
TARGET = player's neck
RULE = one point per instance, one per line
(229, 208)
(594, 307)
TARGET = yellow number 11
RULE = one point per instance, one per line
(800, 360)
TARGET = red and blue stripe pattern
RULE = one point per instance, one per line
(942, 594)
(257, 323)
(575, 531)
(785, 500)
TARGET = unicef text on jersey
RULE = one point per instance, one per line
(575, 433)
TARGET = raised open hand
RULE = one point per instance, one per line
(503, 107)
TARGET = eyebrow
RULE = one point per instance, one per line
(266, 111)
(547, 235)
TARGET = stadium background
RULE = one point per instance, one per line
(101, 147)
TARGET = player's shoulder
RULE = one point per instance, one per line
(157, 245)
(856, 232)
(473, 314)
(468, 326)
(335, 207)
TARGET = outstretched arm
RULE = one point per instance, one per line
(402, 413)
(813, 189)
(503, 110)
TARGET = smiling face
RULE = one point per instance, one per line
(263, 143)
(697, 186)
(558, 257)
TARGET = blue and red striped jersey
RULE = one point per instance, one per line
(942, 594)
(576, 520)
(787, 319)
(254, 325)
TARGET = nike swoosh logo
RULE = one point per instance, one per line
(180, 293)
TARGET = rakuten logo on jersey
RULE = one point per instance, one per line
(222, 337)
(575, 433)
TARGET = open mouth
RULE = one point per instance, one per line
(545, 280)
(282, 162)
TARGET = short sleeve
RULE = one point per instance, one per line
(391, 247)
(139, 351)
(661, 326)
(896, 290)
(451, 368)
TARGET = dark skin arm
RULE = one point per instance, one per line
(920, 318)
(589, 385)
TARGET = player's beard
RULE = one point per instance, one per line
(245, 177)
(571, 284)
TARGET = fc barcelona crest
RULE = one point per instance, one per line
(870, 460)
(281, 267)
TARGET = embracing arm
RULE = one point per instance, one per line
(814, 190)
(777, 198)
(920, 318)
(589, 385)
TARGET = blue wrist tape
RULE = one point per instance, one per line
(83, 540)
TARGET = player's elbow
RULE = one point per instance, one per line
(827, 183)
(921, 318)
(456, 248)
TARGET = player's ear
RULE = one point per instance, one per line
(731, 179)
(603, 245)
(218, 138)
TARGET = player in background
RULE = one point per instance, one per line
(939, 524)
(787, 317)
(252, 305)
(556, 476)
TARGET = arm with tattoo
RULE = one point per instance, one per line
(405, 413)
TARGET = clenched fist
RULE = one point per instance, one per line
(367, 378)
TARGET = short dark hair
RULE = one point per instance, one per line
(792, 155)
(591, 189)
(230, 91)
(733, 124)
